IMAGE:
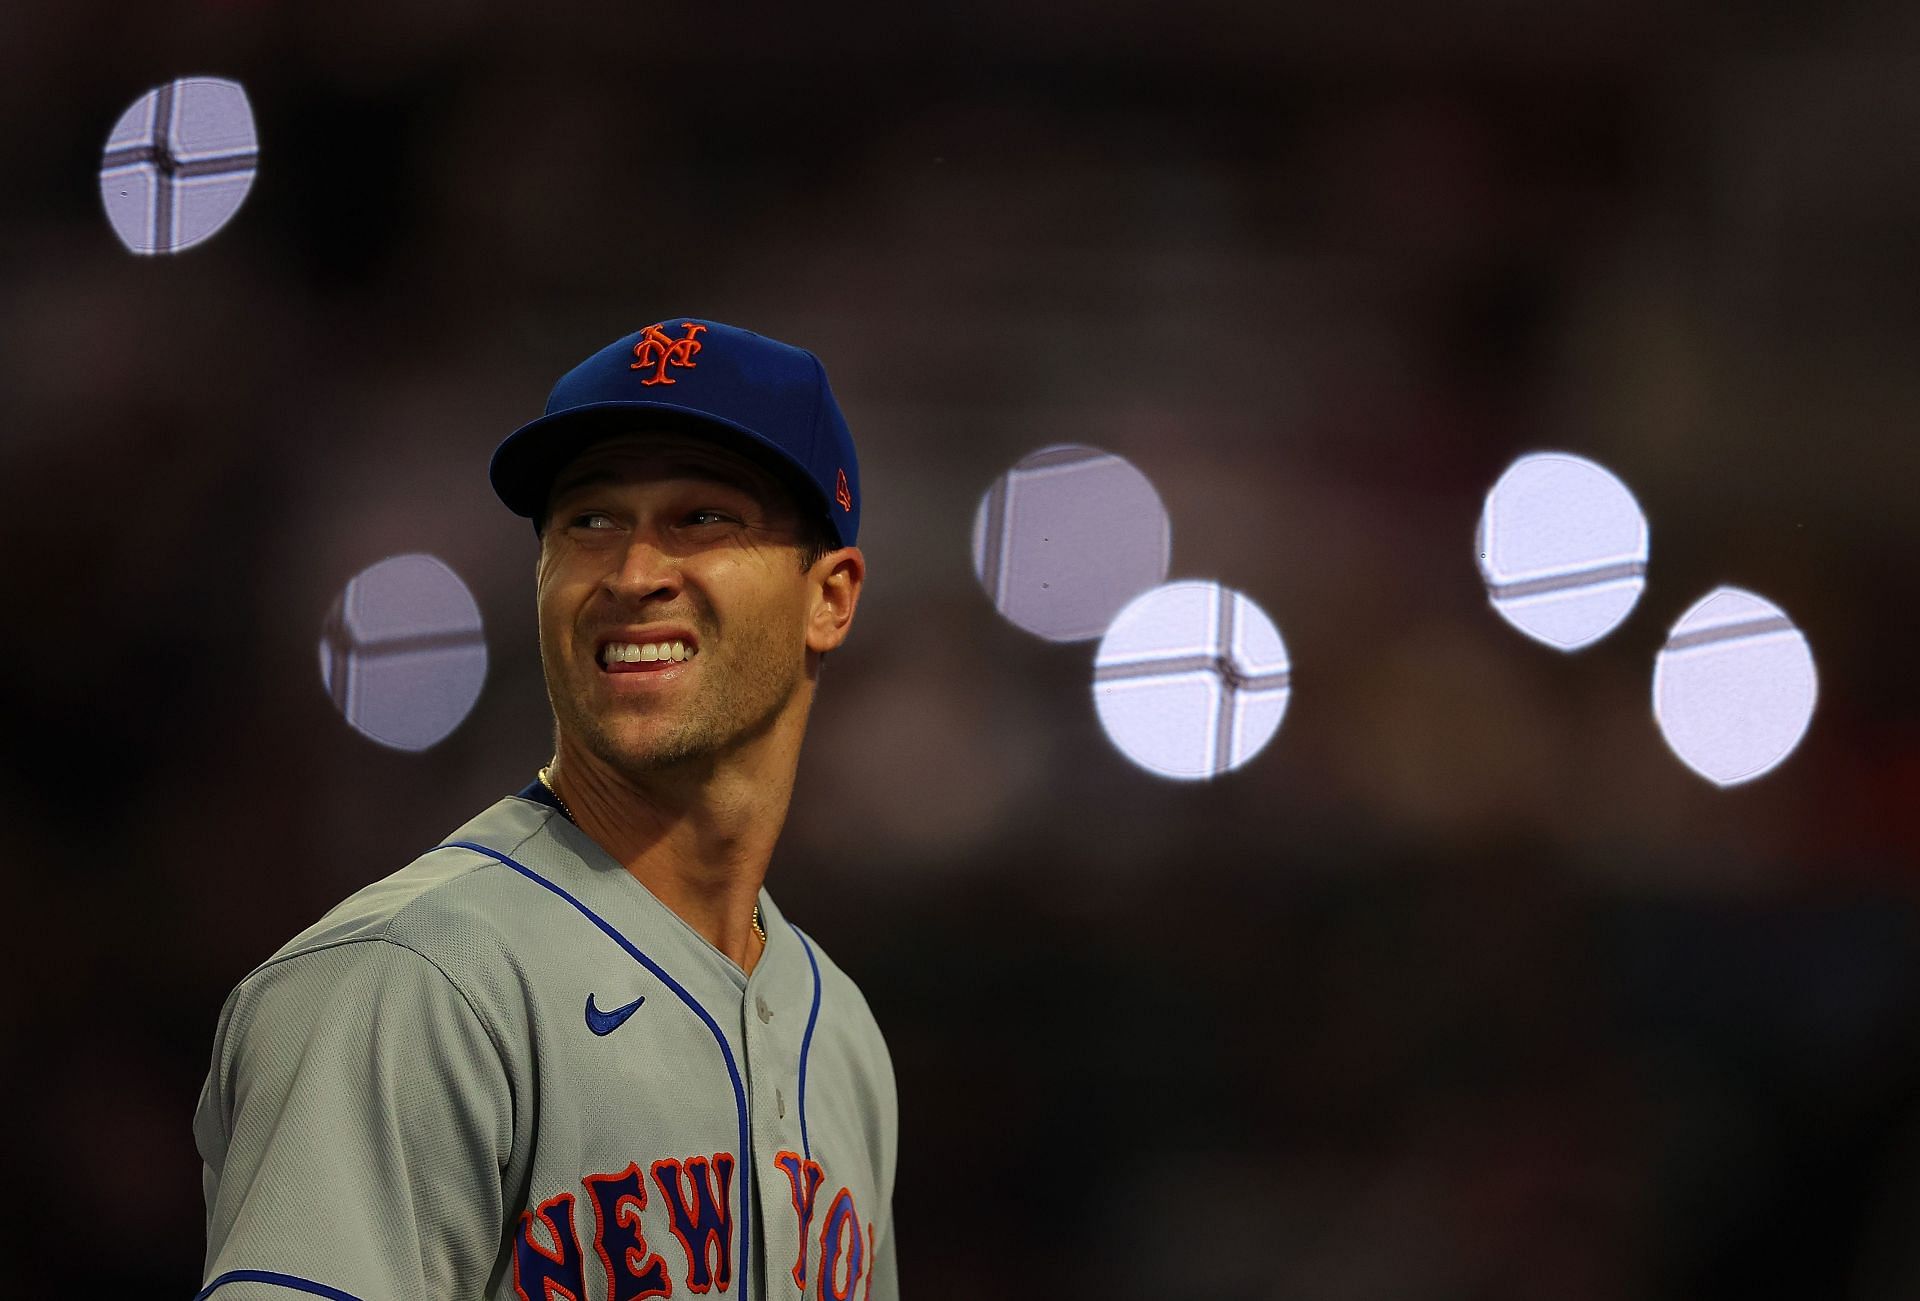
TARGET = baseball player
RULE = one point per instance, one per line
(576, 1050)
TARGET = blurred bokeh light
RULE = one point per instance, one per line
(1191, 680)
(1563, 549)
(1734, 687)
(402, 653)
(178, 164)
(1068, 536)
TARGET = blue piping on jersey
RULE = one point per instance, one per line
(306, 1285)
(806, 1042)
(733, 1072)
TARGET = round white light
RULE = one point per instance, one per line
(402, 654)
(178, 164)
(1191, 680)
(1068, 536)
(1563, 549)
(1734, 687)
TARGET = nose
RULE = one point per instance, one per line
(645, 570)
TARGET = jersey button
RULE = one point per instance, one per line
(760, 1006)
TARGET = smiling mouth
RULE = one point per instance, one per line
(638, 657)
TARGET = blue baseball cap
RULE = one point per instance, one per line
(766, 399)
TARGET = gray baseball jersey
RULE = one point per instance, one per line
(509, 1071)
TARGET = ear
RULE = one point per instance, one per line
(833, 589)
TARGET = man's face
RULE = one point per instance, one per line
(661, 537)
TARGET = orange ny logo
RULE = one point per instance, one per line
(841, 493)
(656, 349)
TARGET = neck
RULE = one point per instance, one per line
(700, 843)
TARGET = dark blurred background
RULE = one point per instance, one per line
(1465, 987)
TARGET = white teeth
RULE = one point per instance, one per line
(635, 653)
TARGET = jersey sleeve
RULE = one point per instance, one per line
(884, 1278)
(354, 1126)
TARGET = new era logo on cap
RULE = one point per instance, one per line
(742, 385)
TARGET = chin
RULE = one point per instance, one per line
(638, 755)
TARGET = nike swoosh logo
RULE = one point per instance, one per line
(607, 1022)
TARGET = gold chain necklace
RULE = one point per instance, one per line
(547, 781)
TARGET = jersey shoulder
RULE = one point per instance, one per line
(835, 983)
(451, 904)
(845, 1016)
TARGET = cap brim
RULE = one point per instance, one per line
(525, 464)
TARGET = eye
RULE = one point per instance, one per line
(713, 514)
(592, 519)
